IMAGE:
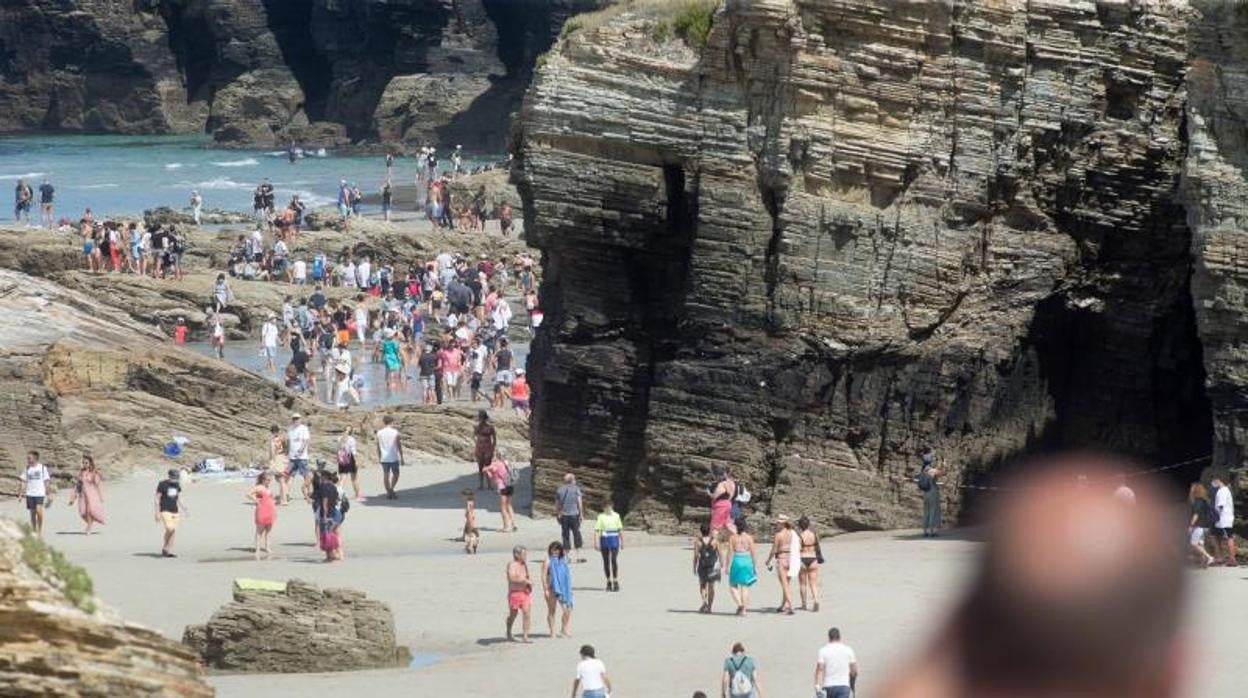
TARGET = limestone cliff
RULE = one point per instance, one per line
(844, 232)
(259, 72)
(55, 640)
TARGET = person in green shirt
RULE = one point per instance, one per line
(608, 540)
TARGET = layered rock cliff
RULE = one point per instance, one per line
(260, 72)
(844, 232)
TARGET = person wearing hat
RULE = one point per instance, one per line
(520, 394)
(268, 338)
(782, 552)
(298, 438)
(930, 488)
(170, 505)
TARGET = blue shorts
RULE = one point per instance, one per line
(33, 503)
(390, 468)
(298, 466)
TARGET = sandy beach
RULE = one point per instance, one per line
(884, 590)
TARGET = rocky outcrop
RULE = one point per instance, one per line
(1215, 192)
(840, 234)
(58, 640)
(320, 72)
(299, 629)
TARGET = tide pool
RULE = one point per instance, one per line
(118, 175)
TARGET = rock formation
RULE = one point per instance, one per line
(842, 233)
(52, 645)
(296, 630)
(259, 73)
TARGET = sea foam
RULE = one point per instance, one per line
(247, 162)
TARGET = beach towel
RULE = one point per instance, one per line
(561, 580)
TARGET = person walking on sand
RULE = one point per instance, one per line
(1202, 519)
(390, 455)
(706, 565)
(591, 676)
(836, 670)
(519, 592)
(1223, 535)
(723, 493)
(929, 486)
(298, 439)
(811, 556)
(741, 573)
(471, 536)
(87, 495)
(557, 588)
(266, 513)
(783, 548)
(276, 449)
(348, 464)
(740, 677)
(170, 505)
(504, 477)
(570, 508)
(486, 442)
(37, 488)
(609, 541)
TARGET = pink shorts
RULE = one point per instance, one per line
(518, 599)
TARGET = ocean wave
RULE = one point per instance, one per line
(247, 162)
(28, 175)
(217, 183)
(99, 186)
(314, 200)
(174, 166)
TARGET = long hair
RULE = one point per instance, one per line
(1197, 491)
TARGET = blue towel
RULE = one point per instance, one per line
(561, 580)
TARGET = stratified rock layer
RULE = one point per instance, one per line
(846, 232)
(297, 630)
(51, 647)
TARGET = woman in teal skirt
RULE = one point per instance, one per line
(741, 574)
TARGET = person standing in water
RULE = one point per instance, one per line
(87, 495)
(197, 206)
(170, 505)
(519, 592)
(37, 488)
(609, 540)
(46, 194)
(741, 573)
(266, 513)
(557, 585)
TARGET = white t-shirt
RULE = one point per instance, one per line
(478, 355)
(836, 658)
(388, 444)
(280, 250)
(361, 318)
(362, 273)
(1224, 504)
(36, 478)
(298, 437)
(268, 334)
(590, 673)
(300, 269)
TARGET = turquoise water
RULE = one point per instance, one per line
(126, 174)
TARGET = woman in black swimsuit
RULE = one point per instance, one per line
(808, 574)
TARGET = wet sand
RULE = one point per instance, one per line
(885, 591)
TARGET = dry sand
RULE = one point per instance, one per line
(884, 590)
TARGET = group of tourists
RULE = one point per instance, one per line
(134, 248)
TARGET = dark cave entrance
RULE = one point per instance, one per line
(291, 24)
(1125, 373)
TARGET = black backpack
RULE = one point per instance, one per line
(708, 559)
(924, 481)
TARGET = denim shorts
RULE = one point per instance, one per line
(390, 468)
(594, 693)
(298, 466)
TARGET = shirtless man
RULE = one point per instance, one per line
(519, 591)
(781, 551)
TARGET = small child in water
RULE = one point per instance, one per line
(179, 331)
(471, 537)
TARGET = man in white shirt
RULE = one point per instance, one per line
(36, 486)
(364, 273)
(1223, 535)
(300, 272)
(360, 315)
(836, 672)
(298, 438)
(390, 454)
(476, 363)
(268, 336)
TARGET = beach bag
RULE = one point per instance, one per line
(740, 684)
(329, 540)
(708, 560)
(512, 475)
(344, 458)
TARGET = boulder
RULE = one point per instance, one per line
(58, 639)
(298, 629)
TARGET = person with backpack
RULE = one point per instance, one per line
(929, 486)
(707, 566)
(505, 478)
(741, 675)
(1202, 519)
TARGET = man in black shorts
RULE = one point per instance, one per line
(169, 508)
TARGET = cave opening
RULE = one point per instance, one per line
(291, 24)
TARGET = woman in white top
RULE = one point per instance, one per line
(591, 676)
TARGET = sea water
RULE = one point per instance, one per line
(123, 175)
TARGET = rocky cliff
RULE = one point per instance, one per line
(839, 233)
(259, 72)
(56, 640)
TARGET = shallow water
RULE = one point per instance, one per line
(246, 355)
(127, 174)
